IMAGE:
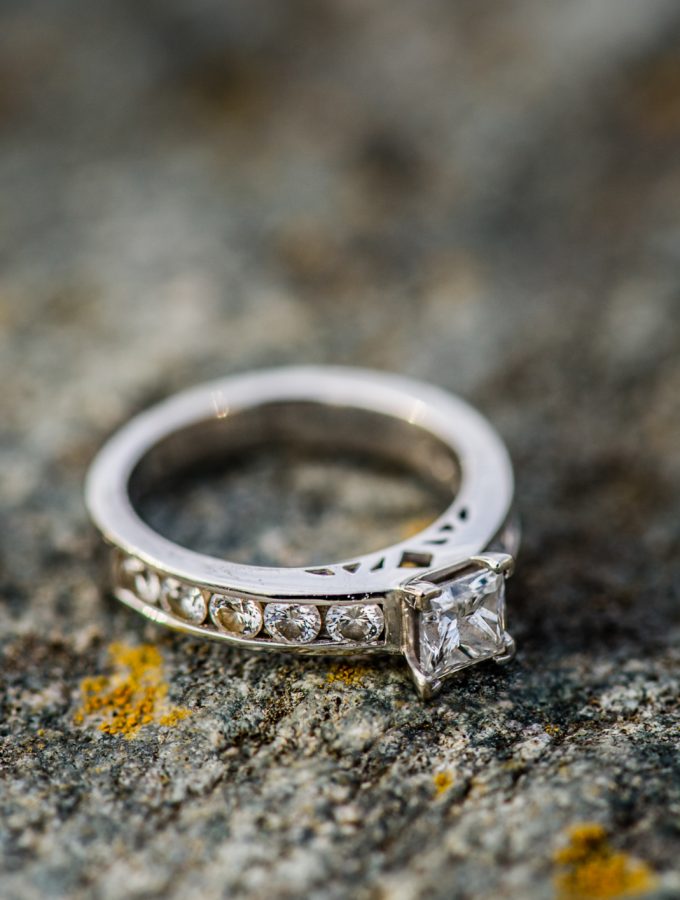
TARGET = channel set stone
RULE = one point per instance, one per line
(183, 601)
(465, 624)
(144, 582)
(359, 623)
(292, 623)
(240, 618)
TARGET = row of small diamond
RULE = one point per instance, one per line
(289, 623)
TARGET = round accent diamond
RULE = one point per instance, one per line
(292, 623)
(241, 618)
(358, 623)
(143, 581)
(185, 602)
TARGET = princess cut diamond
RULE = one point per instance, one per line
(463, 624)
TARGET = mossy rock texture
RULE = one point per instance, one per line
(483, 195)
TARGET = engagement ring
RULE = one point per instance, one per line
(437, 598)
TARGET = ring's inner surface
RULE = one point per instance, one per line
(294, 483)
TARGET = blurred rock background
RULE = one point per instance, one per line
(483, 195)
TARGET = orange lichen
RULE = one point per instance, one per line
(348, 674)
(443, 781)
(134, 695)
(591, 869)
(173, 717)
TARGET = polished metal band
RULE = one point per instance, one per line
(437, 597)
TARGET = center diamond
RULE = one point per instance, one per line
(464, 623)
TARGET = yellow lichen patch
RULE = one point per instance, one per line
(552, 730)
(443, 781)
(133, 695)
(347, 673)
(174, 716)
(591, 869)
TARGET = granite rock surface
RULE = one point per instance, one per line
(483, 195)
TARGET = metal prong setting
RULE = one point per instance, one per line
(509, 650)
(419, 593)
(499, 563)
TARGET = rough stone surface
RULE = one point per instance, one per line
(481, 194)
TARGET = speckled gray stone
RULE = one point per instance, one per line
(482, 195)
